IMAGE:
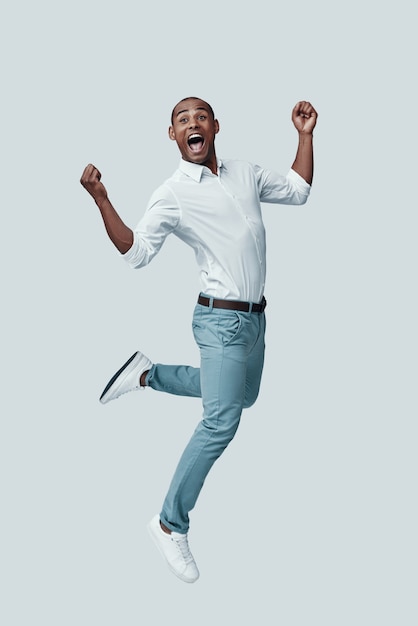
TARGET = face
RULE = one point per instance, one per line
(194, 130)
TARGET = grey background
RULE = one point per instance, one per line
(310, 516)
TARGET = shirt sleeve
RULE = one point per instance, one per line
(280, 189)
(160, 219)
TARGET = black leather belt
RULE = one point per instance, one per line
(234, 305)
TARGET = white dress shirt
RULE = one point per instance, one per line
(220, 218)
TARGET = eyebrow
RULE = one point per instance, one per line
(187, 110)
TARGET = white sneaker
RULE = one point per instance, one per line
(175, 549)
(127, 378)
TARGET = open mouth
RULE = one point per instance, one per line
(195, 142)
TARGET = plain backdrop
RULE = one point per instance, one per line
(310, 516)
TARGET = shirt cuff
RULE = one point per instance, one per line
(131, 255)
(299, 182)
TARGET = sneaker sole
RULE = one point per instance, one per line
(112, 380)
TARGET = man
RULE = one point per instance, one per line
(213, 206)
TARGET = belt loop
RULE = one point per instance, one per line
(211, 303)
(250, 310)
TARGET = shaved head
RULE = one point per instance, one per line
(191, 98)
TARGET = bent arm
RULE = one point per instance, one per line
(160, 220)
(120, 234)
(304, 118)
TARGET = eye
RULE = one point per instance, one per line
(202, 117)
(183, 120)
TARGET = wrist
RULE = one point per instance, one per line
(305, 139)
(101, 201)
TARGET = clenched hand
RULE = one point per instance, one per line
(90, 180)
(304, 117)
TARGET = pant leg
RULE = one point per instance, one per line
(184, 380)
(179, 380)
(226, 340)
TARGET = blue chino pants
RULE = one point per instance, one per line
(231, 347)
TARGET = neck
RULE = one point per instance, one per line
(212, 164)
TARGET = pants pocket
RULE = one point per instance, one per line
(229, 326)
(214, 328)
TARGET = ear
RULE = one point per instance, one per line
(216, 127)
(171, 133)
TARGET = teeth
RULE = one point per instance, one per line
(195, 135)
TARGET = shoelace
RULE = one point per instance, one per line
(183, 546)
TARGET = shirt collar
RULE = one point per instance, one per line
(194, 170)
